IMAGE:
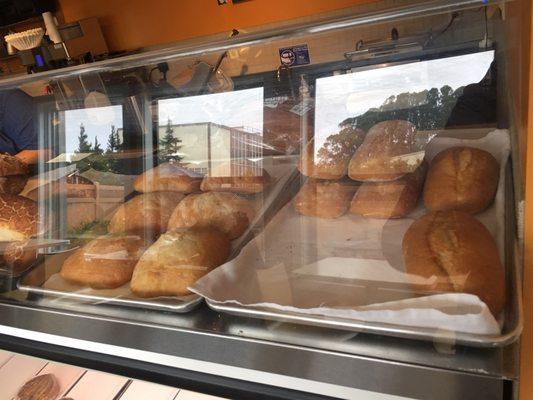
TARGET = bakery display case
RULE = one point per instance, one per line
(320, 209)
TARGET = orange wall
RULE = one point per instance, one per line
(130, 24)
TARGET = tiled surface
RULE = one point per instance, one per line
(81, 384)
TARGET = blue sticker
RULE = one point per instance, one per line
(296, 55)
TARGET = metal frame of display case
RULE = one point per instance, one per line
(247, 358)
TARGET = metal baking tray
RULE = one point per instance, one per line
(32, 283)
(512, 324)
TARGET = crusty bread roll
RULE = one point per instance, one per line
(12, 184)
(11, 165)
(461, 178)
(393, 199)
(228, 212)
(238, 176)
(324, 199)
(331, 160)
(18, 258)
(168, 177)
(456, 253)
(388, 152)
(18, 218)
(41, 387)
(104, 263)
(178, 259)
(146, 214)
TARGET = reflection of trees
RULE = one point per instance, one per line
(169, 145)
(428, 109)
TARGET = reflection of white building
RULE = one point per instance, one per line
(206, 145)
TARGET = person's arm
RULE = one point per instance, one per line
(32, 156)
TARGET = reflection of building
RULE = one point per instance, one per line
(206, 145)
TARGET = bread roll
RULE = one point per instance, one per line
(227, 212)
(393, 199)
(331, 160)
(12, 184)
(11, 165)
(236, 176)
(324, 199)
(41, 387)
(177, 260)
(461, 178)
(104, 263)
(388, 152)
(146, 214)
(18, 258)
(457, 254)
(168, 177)
(18, 218)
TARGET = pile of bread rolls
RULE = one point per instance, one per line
(18, 215)
(382, 174)
(175, 230)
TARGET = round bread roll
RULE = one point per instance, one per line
(18, 218)
(11, 165)
(13, 184)
(324, 199)
(331, 160)
(168, 177)
(18, 258)
(178, 259)
(461, 178)
(227, 212)
(104, 263)
(42, 387)
(146, 214)
(388, 152)
(455, 253)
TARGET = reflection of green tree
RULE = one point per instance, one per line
(169, 145)
(428, 109)
(99, 160)
(83, 141)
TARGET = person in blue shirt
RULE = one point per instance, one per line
(18, 133)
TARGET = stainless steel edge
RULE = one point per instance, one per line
(208, 45)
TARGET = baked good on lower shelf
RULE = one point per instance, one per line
(461, 178)
(331, 159)
(18, 218)
(324, 199)
(42, 387)
(227, 212)
(178, 259)
(389, 151)
(393, 199)
(238, 176)
(455, 253)
(106, 262)
(168, 177)
(11, 165)
(13, 184)
(146, 214)
(18, 257)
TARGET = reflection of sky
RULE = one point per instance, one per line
(343, 96)
(97, 122)
(242, 108)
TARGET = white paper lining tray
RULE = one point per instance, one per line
(288, 274)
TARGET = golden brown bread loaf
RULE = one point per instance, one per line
(393, 199)
(104, 263)
(458, 254)
(168, 177)
(12, 184)
(146, 214)
(227, 212)
(238, 176)
(331, 160)
(42, 387)
(461, 178)
(11, 165)
(18, 218)
(387, 153)
(178, 259)
(18, 258)
(324, 199)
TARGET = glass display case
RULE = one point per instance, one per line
(319, 209)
